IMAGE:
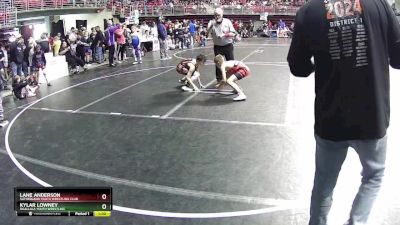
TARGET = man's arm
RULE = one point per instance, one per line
(299, 56)
(64, 51)
(113, 28)
(20, 85)
(232, 32)
(393, 38)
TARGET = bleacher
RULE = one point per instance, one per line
(9, 9)
(29, 5)
(8, 15)
(156, 8)
(244, 13)
(126, 8)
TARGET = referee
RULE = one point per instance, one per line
(222, 33)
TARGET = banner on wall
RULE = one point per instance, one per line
(133, 17)
(264, 16)
(132, 20)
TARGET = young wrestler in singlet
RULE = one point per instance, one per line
(232, 71)
(190, 69)
(136, 51)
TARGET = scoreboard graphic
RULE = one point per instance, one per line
(54, 201)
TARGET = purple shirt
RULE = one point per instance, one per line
(111, 35)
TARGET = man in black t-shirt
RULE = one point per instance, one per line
(180, 33)
(97, 44)
(17, 56)
(44, 43)
(352, 42)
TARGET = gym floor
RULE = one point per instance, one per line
(175, 157)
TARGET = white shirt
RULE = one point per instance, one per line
(143, 29)
(72, 37)
(154, 31)
(218, 30)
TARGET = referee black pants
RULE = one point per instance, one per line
(226, 51)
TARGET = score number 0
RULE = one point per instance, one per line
(104, 197)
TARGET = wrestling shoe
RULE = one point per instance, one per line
(240, 97)
(185, 88)
(3, 123)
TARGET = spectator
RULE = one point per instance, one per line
(181, 36)
(73, 61)
(3, 81)
(168, 27)
(28, 55)
(169, 43)
(192, 31)
(251, 29)
(17, 56)
(88, 52)
(121, 41)
(38, 65)
(236, 25)
(98, 45)
(136, 51)
(22, 89)
(3, 122)
(144, 28)
(352, 102)
(162, 36)
(203, 37)
(154, 29)
(244, 33)
(56, 45)
(171, 6)
(110, 40)
(187, 41)
(84, 33)
(44, 43)
(71, 35)
(128, 39)
(5, 62)
(81, 45)
(91, 38)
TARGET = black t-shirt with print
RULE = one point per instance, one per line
(352, 42)
(17, 53)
